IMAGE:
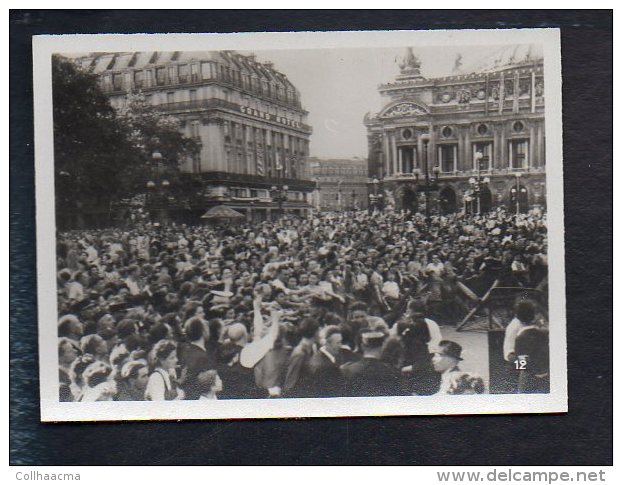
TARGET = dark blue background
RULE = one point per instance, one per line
(581, 437)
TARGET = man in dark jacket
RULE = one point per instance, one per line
(369, 376)
(297, 379)
(324, 374)
(194, 358)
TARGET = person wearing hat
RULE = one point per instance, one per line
(445, 361)
(132, 381)
(370, 376)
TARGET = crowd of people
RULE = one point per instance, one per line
(332, 305)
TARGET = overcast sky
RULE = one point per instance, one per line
(338, 86)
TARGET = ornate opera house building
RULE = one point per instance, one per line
(246, 116)
(469, 142)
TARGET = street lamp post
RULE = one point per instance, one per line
(339, 198)
(279, 195)
(157, 189)
(428, 185)
(516, 191)
(373, 197)
(477, 184)
(317, 193)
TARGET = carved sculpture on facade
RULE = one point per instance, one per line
(404, 109)
(464, 96)
(446, 96)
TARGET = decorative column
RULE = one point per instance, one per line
(394, 155)
(420, 152)
(468, 152)
(414, 157)
(541, 149)
(496, 146)
(431, 160)
(387, 153)
(460, 159)
(532, 147)
(502, 148)
(533, 91)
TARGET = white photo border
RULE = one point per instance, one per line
(54, 411)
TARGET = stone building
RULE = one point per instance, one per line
(246, 116)
(341, 184)
(470, 142)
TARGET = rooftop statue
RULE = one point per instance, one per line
(410, 62)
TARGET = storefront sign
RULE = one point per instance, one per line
(268, 116)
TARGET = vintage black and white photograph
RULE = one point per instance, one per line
(271, 225)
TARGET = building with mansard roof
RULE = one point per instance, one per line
(246, 116)
(341, 183)
(469, 142)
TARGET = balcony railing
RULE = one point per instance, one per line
(467, 173)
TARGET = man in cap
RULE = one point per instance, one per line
(369, 376)
(445, 361)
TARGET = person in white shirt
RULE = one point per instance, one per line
(162, 384)
(390, 288)
(525, 318)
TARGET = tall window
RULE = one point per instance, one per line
(117, 82)
(485, 148)
(194, 72)
(149, 78)
(170, 97)
(172, 74)
(160, 76)
(519, 154)
(205, 70)
(138, 79)
(193, 95)
(227, 130)
(183, 73)
(194, 129)
(447, 157)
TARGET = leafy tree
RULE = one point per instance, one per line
(91, 145)
(101, 155)
(151, 131)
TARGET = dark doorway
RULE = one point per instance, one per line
(407, 159)
(519, 196)
(447, 199)
(409, 200)
(486, 200)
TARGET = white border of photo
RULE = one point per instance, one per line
(52, 410)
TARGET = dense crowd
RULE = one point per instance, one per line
(333, 305)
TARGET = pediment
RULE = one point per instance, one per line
(404, 109)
